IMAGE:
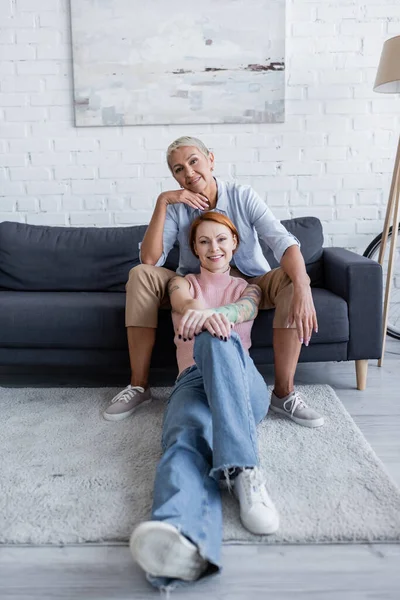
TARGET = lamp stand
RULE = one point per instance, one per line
(391, 211)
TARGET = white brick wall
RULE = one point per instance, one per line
(332, 158)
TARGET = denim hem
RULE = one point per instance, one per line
(168, 584)
(217, 472)
(166, 588)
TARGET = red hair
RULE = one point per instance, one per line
(215, 217)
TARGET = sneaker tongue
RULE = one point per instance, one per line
(138, 388)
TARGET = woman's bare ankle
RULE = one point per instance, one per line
(138, 383)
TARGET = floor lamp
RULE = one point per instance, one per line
(388, 81)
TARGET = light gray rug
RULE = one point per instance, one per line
(68, 476)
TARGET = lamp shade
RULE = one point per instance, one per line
(388, 75)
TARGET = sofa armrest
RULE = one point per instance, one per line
(358, 280)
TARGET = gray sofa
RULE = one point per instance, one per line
(62, 299)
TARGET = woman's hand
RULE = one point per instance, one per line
(219, 326)
(185, 197)
(192, 323)
(303, 313)
(195, 321)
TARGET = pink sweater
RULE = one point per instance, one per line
(213, 289)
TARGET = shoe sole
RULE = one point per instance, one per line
(162, 551)
(305, 422)
(125, 415)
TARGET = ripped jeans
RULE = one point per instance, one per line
(209, 428)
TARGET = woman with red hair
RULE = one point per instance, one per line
(209, 430)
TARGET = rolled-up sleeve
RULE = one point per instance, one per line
(268, 228)
(170, 236)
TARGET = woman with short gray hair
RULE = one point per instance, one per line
(286, 288)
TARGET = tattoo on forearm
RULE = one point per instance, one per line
(231, 311)
(246, 308)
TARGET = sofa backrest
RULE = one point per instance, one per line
(45, 258)
(39, 258)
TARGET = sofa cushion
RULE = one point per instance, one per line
(96, 320)
(75, 320)
(62, 320)
(333, 321)
(41, 258)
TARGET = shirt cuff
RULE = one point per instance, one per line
(280, 250)
(161, 260)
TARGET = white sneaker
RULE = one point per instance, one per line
(257, 511)
(126, 402)
(162, 551)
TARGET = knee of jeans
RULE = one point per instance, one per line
(235, 336)
(203, 339)
(203, 345)
(194, 437)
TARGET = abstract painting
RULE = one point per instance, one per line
(178, 62)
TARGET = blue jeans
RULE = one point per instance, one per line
(209, 427)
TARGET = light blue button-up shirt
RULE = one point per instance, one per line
(252, 218)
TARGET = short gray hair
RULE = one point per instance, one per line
(186, 140)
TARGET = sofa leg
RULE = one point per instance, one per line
(361, 374)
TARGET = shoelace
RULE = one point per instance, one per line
(255, 487)
(127, 395)
(296, 401)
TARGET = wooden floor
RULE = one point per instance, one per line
(345, 572)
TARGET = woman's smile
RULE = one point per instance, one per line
(216, 257)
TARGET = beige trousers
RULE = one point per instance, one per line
(147, 291)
